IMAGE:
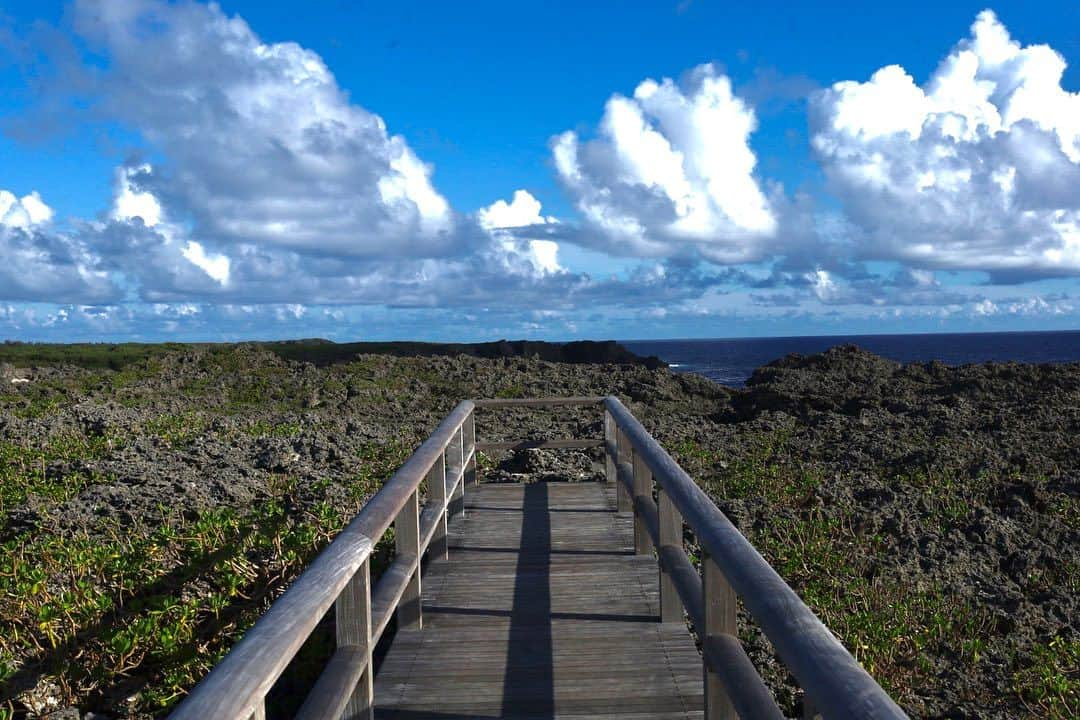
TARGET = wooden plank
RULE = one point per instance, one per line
(456, 469)
(388, 591)
(610, 449)
(540, 444)
(436, 483)
(646, 522)
(471, 477)
(623, 453)
(432, 519)
(749, 697)
(687, 582)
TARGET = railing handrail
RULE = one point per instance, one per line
(538, 402)
(835, 682)
(237, 686)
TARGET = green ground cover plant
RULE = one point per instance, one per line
(124, 617)
(894, 629)
(140, 614)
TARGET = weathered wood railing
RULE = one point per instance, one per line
(341, 576)
(649, 483)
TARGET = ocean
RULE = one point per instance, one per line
(730, 361)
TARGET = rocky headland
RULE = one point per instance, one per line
(152, 508)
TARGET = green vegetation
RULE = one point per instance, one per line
(87, 355)
(145, 612)
(894, 629)
(107, 612)
(263, 428)
(949, 498)
(176, 430)
(511, 391)
(126, 618)
(756, 472)
(54, 471)
(1050, 686)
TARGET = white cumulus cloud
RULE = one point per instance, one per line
(129, 202)
(24, 212)
(41, 264)
(670, 172)
(138, 208)
(978, 168)
(261, 144)
(521, 256)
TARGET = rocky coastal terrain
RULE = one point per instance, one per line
(151, 508)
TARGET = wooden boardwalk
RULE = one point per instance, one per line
(543, 610)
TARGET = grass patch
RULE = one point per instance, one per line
(893, 629)
(901, 633)
(510, 391)
(55, 471)
(177, 430)
(1050, 684)
(110, 356)
(756, 472)
(950, 498)
(265, 428)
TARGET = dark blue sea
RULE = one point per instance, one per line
(730, 361)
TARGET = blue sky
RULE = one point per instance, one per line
(664, 169)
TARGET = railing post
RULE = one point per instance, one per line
(471, 476)
(455, 463)
(720, 619)
(436, 482)
(625, 502)
(407, 541)
(643, 487)
(610, 441)
(352, 613)
(671, 533)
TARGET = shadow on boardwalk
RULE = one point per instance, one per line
(542, 611)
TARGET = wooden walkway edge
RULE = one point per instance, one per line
(542, 610)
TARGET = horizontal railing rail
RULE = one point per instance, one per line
(341, 577)
(549, 444)
(538, 402)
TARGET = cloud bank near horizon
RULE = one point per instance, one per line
(269, 188)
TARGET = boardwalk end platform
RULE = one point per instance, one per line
(540, 600)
